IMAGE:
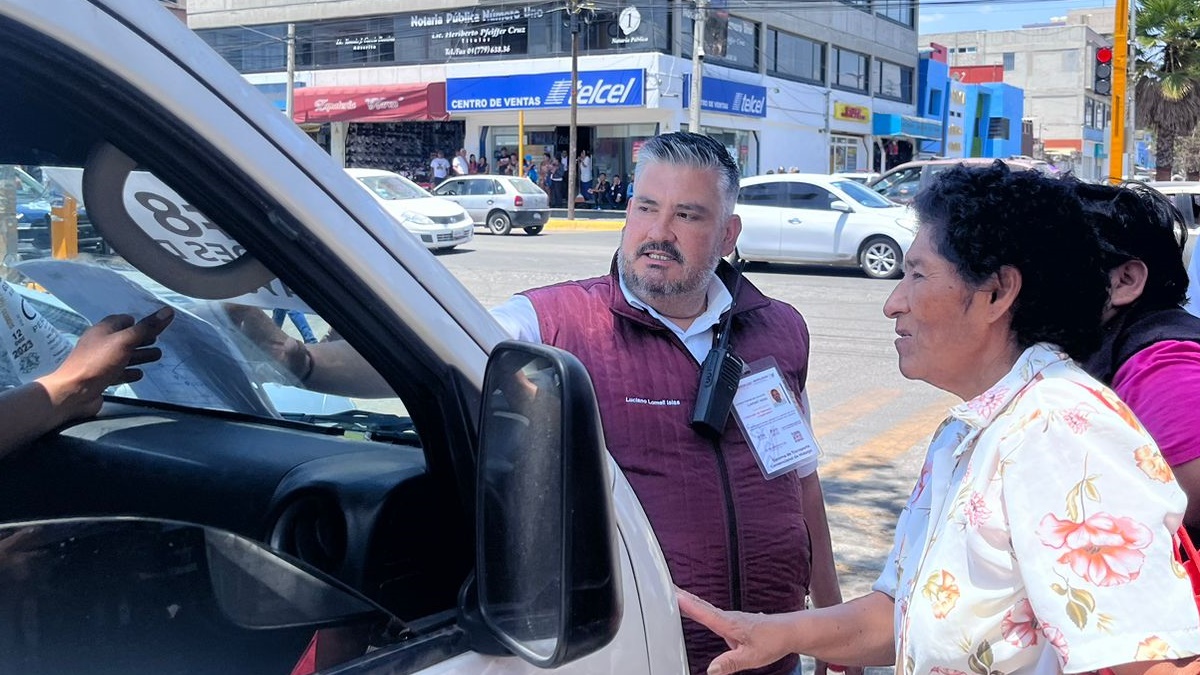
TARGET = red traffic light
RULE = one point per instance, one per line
(1104, 55)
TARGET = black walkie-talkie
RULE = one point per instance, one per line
(719, 377)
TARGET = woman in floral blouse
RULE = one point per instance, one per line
(1038, 536)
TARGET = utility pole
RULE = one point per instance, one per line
(1120, 85)
(697, 66)
(573, 152)
(290, 93)
(1131, 94)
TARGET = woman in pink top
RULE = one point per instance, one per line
(1151, 349)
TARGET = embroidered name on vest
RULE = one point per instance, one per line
(656, 401)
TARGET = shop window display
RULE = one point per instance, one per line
(402, 147)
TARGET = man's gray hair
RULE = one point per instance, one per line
(683, 148)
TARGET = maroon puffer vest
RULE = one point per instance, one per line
(729, 535)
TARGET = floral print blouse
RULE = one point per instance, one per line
(1038, 536)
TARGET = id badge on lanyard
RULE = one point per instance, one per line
(771, 420)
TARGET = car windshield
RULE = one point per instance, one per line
(525, 186)
(215, 356)
(393, 187)
(863, 195)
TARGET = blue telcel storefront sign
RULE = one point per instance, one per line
(597, 89)
(726, 96)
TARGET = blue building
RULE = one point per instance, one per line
(980, 118)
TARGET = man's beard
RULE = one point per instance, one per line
(693, 281)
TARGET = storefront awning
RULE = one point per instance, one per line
(372, 103)
(922, 128)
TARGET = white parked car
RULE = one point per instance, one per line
(439, 223)
(818, 219)
(864, 177)
(1186, 196)
(464, 518)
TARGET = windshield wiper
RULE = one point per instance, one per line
(373, 426)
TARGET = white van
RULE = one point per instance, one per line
(468, 521)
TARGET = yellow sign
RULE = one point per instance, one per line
(851, 113)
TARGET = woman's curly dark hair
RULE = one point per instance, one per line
(1136, 221)
(984, 218)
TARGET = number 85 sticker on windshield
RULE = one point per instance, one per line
(177, 226)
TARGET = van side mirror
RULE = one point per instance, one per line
(140, 595)
(547, 573)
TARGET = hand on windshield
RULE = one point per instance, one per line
(277, 345)
(106, 354)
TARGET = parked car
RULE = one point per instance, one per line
(499, 202)
(464, 518)
(900, 184)
(35, 212)
(439, 223)
(863, 177)
(1186, 196)
(812, 218)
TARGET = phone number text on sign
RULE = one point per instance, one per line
(181, 229)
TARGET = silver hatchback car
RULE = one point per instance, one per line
(499, 202)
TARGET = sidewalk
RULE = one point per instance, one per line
(586, 219)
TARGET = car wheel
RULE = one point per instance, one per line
(880, 258)
(534, 229)
(499, 222)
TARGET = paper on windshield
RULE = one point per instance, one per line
(180, 229)
(32, 347)
(198, 367)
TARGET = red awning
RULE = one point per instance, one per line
(374, 103)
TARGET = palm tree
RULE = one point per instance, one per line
(1168, 74)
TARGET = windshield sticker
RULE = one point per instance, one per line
(181, 230)
(32, 347)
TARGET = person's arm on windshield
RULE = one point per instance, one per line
(331, 367)
(106, 354)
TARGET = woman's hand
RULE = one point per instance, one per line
(754, 640)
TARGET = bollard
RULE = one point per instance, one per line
(64, 229)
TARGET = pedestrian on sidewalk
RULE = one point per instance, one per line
(599, 192)
(439, 168)
(616, 192)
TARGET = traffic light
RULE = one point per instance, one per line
(1102, 84)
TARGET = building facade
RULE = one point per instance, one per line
(794, 87)
(981, 116)
(1054, 66)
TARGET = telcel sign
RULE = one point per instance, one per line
(597, 89)
(726, 96)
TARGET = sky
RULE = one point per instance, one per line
(944, 16)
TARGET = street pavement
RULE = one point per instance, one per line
(871, 422)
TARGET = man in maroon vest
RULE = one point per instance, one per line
(728, 533)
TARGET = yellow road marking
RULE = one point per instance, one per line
(837, 417)
(885, 447)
